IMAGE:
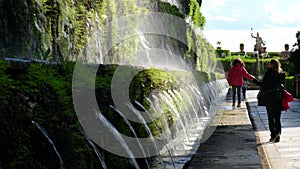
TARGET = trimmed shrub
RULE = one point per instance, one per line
(222, 53)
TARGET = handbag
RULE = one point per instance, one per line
(261, 98)
(278, 92)
(267, 97)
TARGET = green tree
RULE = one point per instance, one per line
(295, 57)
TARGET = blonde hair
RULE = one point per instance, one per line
(276, 65)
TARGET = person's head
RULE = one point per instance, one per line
(238, 61)
(286, 47)
(257, 34)
(264, 49)
(275, 65)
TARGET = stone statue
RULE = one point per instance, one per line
(259, 42)
(284, 55)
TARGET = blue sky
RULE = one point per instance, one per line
(230, 22)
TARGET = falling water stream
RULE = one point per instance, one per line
(119, 138)
(194, 111)
(137, 113)
(149, 41)
(96, 150)
(51, 142)
(133, 131)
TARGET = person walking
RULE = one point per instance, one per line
(244, 88)
(235, 79)
(273, 85)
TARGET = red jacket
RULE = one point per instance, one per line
(236, 75)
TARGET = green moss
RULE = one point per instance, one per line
(200, 52)
(290, 85)
(21, 154)
(196, 15)
(166, 7)
(50, 88)
(6, 83)
(202, 77)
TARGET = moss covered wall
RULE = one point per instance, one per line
(58, 30)
(41, 92)
(55, 29)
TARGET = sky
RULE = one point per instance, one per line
(230, 22)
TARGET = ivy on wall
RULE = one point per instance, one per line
(196, 15)
(57, 30)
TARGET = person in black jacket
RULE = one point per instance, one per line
(273, 84)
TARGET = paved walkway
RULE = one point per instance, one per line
(237, 144)
(286, 153)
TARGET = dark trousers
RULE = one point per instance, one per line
(244, 89)
(236, 90)
(274, 115)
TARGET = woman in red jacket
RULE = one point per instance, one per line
(235, 79)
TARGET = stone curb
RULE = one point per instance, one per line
(257, 123)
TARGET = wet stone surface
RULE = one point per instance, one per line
(231, 146)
